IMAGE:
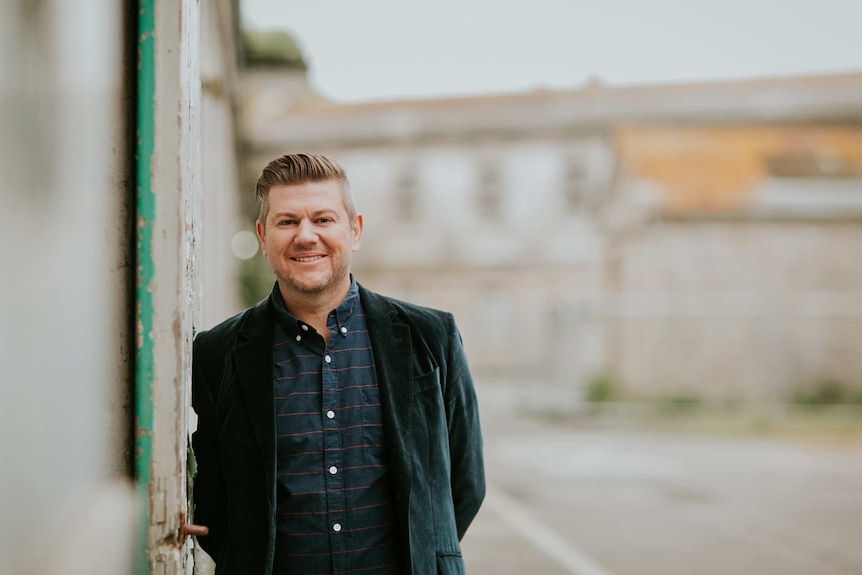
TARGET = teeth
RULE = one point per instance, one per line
(308, 259)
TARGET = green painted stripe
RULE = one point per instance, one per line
(145, 357)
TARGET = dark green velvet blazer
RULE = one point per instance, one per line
(431, 423)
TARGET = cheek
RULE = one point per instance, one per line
(275, 246)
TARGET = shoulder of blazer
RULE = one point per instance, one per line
(404, 312)
(429, 329)
(218, 340)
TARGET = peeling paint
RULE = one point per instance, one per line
(166, 178)
(146, 270)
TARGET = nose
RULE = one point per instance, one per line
(305, 232)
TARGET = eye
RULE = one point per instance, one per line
(324, 220)
(286, 222)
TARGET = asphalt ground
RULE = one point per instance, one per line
(565, 499)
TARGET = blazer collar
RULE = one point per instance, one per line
(393, 356)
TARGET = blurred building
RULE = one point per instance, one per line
(742, 278)
(676, 240)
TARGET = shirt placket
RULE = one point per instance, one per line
(333, 461)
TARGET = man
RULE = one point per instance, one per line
(338, 429)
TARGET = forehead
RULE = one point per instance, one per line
(324, 195)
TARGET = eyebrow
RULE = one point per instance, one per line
(324, 211)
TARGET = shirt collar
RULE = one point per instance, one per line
(342, 314)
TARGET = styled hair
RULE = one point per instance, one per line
(294, 169)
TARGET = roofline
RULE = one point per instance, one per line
(600, 87)
(595, 108)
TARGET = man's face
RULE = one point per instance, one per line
(308, 238)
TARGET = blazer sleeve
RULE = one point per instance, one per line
(465, 436)
(208, 488)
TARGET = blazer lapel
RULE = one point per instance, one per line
(253, 363)
(392, 345)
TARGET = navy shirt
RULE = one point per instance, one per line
(334, 505)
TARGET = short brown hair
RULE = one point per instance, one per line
(294, 169)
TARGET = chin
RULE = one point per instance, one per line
(309, 286)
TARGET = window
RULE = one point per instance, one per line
(575, 189)
(407, 194)
(805, 165)
(490, 196)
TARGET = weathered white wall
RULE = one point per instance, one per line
(168, 303)
(220, 212)
(65, 246)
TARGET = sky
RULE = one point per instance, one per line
(371, 50)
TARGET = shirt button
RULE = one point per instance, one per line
(299, 338)
(333, 470)
(336, 527)
(330, 414)
(304, 327)
(327, 358)
(343, 330)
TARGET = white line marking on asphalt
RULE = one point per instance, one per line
(524, 522)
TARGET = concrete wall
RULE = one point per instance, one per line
(732, 272)
(740, 308)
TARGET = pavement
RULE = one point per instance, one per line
(572, 500)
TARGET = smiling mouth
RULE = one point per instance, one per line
(309, 259)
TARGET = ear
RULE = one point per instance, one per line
(357, 232)
(261, 237)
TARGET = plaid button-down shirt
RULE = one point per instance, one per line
(334, 505)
